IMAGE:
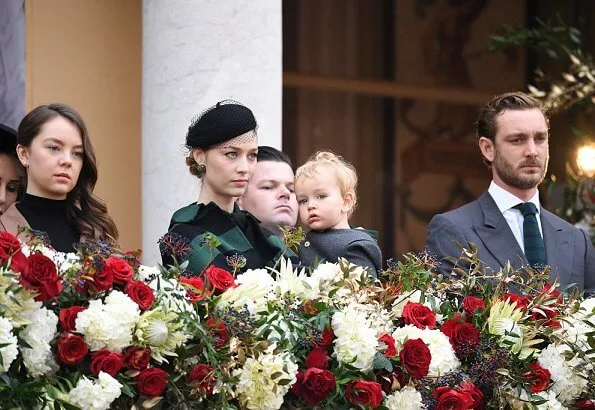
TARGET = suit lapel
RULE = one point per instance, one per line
(496, 234)
(556, 238)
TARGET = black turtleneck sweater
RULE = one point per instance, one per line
(50, 216)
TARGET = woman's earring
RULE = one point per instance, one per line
(202, 169)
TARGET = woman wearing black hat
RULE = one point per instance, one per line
(10, 180)
(223, 145)
(54, 148)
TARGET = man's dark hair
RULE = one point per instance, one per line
(486, 122)
(266, 153)
(485, 125)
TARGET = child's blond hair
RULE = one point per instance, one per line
(329, 164)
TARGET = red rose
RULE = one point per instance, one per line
(317, 358)
(416, 357)
(473, 392)
(219, 332)
(465, 334)
(195, 288)
(137, 357)
(471, 304)
(539, 377)
(448, 327)
(102, 280)
(151, 382)
(389, 341)
(68, 317)
(18, 262)
(449, 399)
(521, 301)
(106, 361)
(72, 348)
(219, 278)
(326, 339)
(419, 315)
(9, 244)
(11, 247)
(41, 276)
(121, 271)
(364, 392)
(141, 293)
(202, 376)
(585, 404)
(314, 385)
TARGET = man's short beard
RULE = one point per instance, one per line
(513, 178)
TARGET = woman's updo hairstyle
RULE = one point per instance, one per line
(223, 121)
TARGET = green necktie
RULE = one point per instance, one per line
(534, 246)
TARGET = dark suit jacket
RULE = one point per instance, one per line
(358, 246)
(568, 249)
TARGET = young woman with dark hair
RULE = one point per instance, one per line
(54, 148)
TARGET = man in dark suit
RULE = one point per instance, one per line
(507, 222)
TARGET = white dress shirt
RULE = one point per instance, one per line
(505, 201)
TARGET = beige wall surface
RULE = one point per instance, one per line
(87, 54)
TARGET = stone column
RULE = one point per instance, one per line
(195, 53)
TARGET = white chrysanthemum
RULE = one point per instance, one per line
(520, 400)
(566, 382)
(18, 306)
(148, 273)
(443, 360)
(109, 325)
(575, 331)
(67, 262)
(10, 351)
(377, 316)
(405, 399)
(289, 281)
(162, 331)
(355, 342)
(588, 306)
(39, 359)
(328, 276)
(254, 288)
(552, 402)
(256, 388)
(98, 395)
(327, 272)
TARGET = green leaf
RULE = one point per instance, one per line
(381, 362)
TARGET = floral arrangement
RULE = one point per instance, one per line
(94, 331)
